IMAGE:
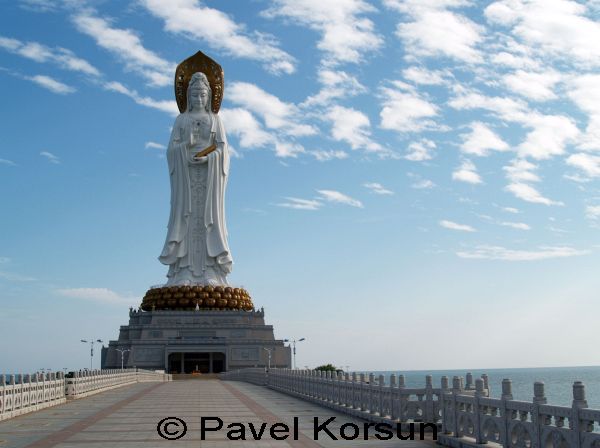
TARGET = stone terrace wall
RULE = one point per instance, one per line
(26, 393)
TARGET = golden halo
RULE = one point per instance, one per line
(199, 63)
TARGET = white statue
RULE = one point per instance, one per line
(196, 248)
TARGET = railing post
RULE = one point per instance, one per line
(402, 400)
(429, 418)
(579, 402)
(372, 393)
(504, 412)
(486, 383)
(444, 389)
(455, 392)
(477, 411)
(381, 397)
(393, 404)
(469, 385)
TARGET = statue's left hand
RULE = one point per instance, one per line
(201, 159)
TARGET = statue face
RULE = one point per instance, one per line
(199, 97)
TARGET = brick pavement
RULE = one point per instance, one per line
(127, 418)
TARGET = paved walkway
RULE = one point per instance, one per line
(127, 418)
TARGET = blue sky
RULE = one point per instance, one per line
(415, 183)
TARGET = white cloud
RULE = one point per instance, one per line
(301, 204)
(345, 33)
(127, 47)
(510, 210)
(191, 19)
(288, 149)
(169, 106)
(501, 253)
(516, 225)
(12, 277)
(481, 140)
(39, 5)
(467, 172)
(508, 109)
(62, 57)
(405, 111)
(353, 127)
(423, 184)
(377, 188)
(340, 198)
(103, 295)
(323, 156)
(51, 157)
(154, 145)
(521, 170)
(241, 123)
(585, 92)
(592, 212)
(51, 84)
(335, 84)
(587, 163)
(511, 60)
(436, 31)
(549, 136)
(420, 151)
(421, 75)
(456, 226)
(530, 194)
(7, 162)
(551, 28)
(277, 114)
(535, 86)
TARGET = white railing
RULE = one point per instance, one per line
(467, 415)
(27, 393)
(21, 394)
(360, 395)
(521, 424)
(85, 383)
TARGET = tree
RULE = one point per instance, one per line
(328, 368)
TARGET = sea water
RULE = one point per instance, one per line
(558, 381)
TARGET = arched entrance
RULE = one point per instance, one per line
(196, 362)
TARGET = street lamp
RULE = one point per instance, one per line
(293, 342)
(122, 354)
(268, 350)
(91, 342)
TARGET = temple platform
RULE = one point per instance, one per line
(196, 342)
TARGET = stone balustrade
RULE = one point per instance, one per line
(85, 383)
(366, 397)
(471, 420)
(26, 393)
(466, 414)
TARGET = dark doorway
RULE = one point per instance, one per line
(218, 360)
(196, 362)
(175, 362)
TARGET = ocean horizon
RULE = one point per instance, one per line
(558, 381)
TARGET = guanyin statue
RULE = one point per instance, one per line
(196, 248)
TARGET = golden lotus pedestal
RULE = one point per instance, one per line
(192, 297)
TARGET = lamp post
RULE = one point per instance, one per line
(293, 342)
(122, 351)
(91, 342)
(268, 350)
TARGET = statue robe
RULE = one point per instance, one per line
(178, 243)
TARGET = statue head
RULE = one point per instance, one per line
(199, 93)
